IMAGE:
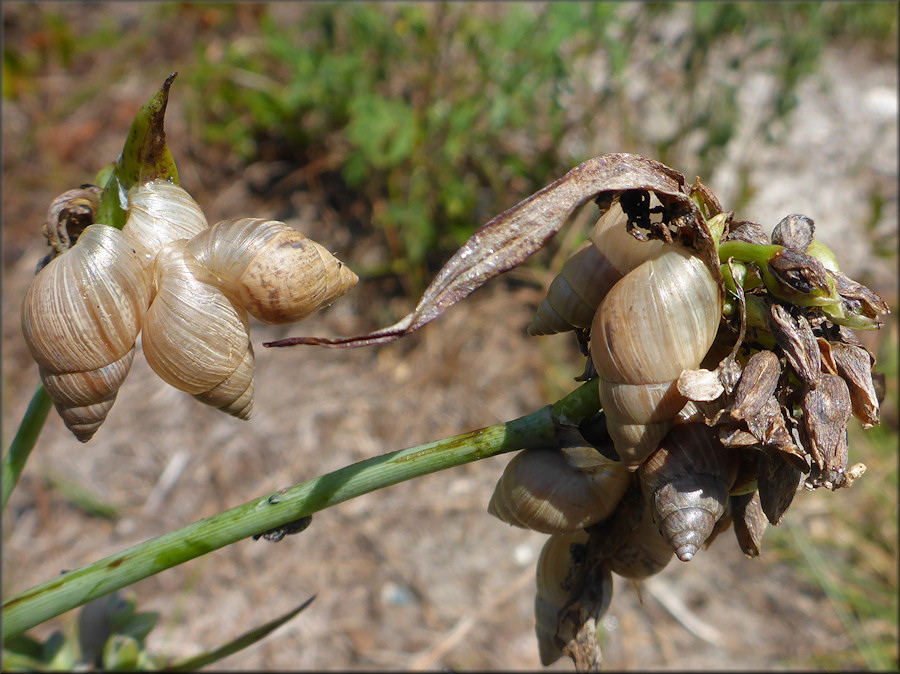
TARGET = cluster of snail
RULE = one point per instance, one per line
(186, 287)
(687, 451)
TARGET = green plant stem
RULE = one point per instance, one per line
(547, 427)
(23, 443)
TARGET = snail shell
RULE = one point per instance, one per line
(273, 271)
(659, 320)
(686, 482)
(160, 212)
(195, 338)
(586, 277)
(644, 552)
(554, 573)
(558, 491)
(80, 317)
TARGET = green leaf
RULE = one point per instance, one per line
(144, 157)
(235, 645)
(121, 653)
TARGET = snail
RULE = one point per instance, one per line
(558, 491)
(81, 316)
(556, 576)
(187, 286)
(196, 336)
(658, 321)
(639, 549)
(586, 277)
(686, 482)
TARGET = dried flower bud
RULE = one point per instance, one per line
(749, 522)
(799, 279)
(859, 307)
(826, 410)
(794, 232)
(778, 482)
(757, 384)
(749, 232)
(796, 339)
(854, 364)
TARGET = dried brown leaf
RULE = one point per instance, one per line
(511, 237)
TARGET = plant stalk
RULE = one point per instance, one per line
(548, 427)
(26, 437)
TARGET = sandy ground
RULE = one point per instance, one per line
(418, 575)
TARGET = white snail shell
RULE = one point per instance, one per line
(195, 338)
(558, 491)
(81, 316)
(659, 320)
(586, 277)
(160, 212)
(84, 311)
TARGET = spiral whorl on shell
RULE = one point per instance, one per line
(586, 277)
(160, 212)
(659, 320)
(81, 316)
(195, 338)
(558, 491)
(273, 271)
(686, 482)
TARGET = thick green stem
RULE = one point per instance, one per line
(542, 428)
(23, 443)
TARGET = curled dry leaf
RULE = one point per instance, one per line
(510, 238)
(700, 385)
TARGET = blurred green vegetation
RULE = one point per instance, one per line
(437, 117)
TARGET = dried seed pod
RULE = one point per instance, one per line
(273, 271)
(778, 481)
(686, 481)
(756, 385)
(586, 277)
(826, 410)
(558, 491)
(854, 364)
(195, 338)
(658, 321)
(81, 316)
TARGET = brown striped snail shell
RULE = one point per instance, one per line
(658, 321)
(686, 482)
(586, 277)
(558, 491)
(80, 317)
(270, 269)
